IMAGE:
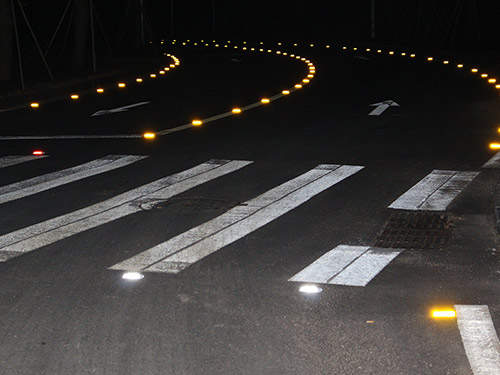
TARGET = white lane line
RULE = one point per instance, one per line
(47, 232)
(347, 265)
(479, 338)
(8, 161)
(41, 137)
(494, 162)
(189, 247)
(435, 191)
(119, 109)
(51, 180)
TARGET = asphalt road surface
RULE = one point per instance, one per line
(231, 223)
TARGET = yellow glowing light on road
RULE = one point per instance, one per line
(236, 110)
(474, 70)
(355, 49)
(161, 72)
(492, 80)
(310, 76)
(327, 46)
(152, 75)
(495, 146)
(295, 44)
(368, 50)
(35, 105)
(139, 80)
(197, 122)
(445, 313)
(391, 52)
(430, 58)
(172, 65)
(74, 96)
(484, 75)
(264, 100)
(412, 55)
(298, 86)
(305, 80)
(312, 45)
(379, 51)
(100, 90)
(460, 66)
(403, 53)
(497, 87)
(149, 135)
(278, 52)
(285, 92)
(344, 47)
(121, 85)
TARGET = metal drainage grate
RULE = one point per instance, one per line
(415, 230)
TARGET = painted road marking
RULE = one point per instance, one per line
(119, 109)
(42, 137)
(381, 107)
(347, 265)
(479, 338)
(494, 162)
(189, 247)
(48, 181)
(8, 161)
(435, 191)
(144, 197)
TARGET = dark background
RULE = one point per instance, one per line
(123, 28)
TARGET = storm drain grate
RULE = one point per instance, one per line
(415, 230)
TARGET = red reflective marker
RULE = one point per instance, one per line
(38, 152)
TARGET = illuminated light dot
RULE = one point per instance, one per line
(183, 44)
(172, 65)
(261, 42)
(355, 49)
(278, 52)
(284, 53)
(368, 50)
(379, 51)
(311, 45)
(484, 75)
(403, 53)
(430, 58)
(152, 75)
(305, 80)
(310, 76)
(265, 100)
(269, 51)
(235, 47)
(167, 69)
(303, 59)
(448, 313)
(244, 48)
(121, 85)
(292, 55)
(133, 276)
(35, 105)
(100, 90)
(344, 47)
(279, 43)
(391, 53)
(497, 87)
(492, 80)
(327, 46)
(474, 70)
(149, 135)
(74, 96)
(413, 55)
(285, 92)
(495, 146)
(298, 86)
(194, 43)
(252, 49)
(217, 45)
(310, 64)
(197, 122)
(236, 110)
(460, 66)
(310, 289)
(38, 152)
(446, 62)
(261, 50)
(295, 44)
(162, 72)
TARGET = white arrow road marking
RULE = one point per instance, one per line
(8, 161)
(479, 338)
(381, 107)
(494, 162)
(347, 265)
(189, 247)
(47, 232)
(435, 191)
(119, 109)
(41, 183)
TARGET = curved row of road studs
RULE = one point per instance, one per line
(175, 62)
(491, 80)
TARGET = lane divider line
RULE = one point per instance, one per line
(8, 161)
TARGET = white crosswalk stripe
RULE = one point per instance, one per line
(48, 181)
(494, 162)
(47, 232)
(479, 338)
(189, 247)
(435, 191)
(7, 161)
(347, 265)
